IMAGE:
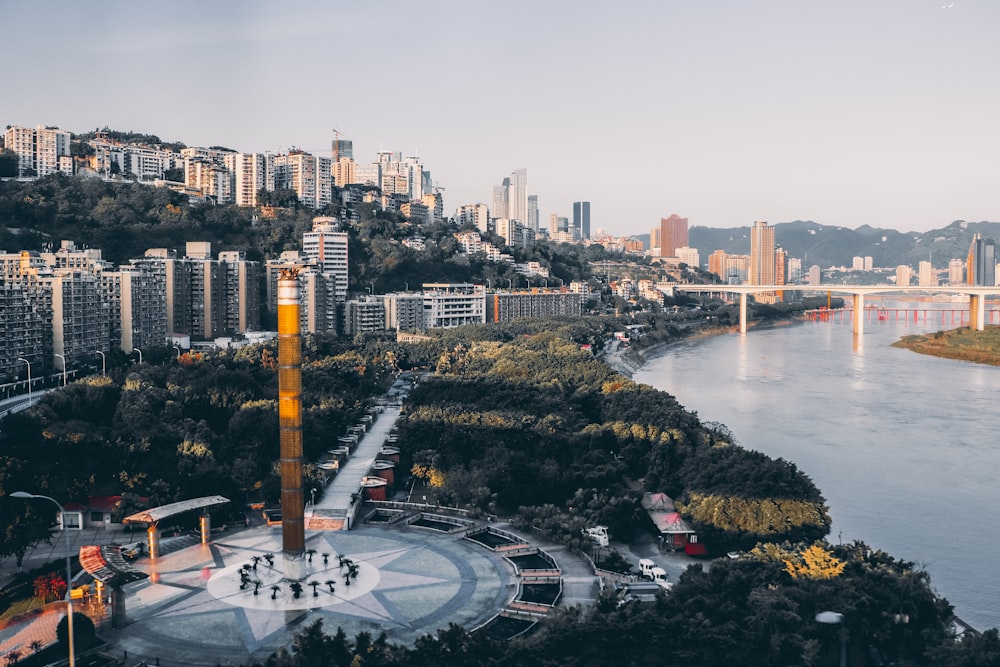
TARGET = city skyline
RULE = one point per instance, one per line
(848, 114)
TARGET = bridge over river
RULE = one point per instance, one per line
(976, 293)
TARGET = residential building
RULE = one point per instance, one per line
(137, 301)
(252, 172)
(40, 151)
(533, 213)
(815, 275)
(308, 175)
(326, 247)
(477, 215)
(453, 304)
(404, 311)
(364, 315)
(926, 276)
(956, 272)
(80, 322)
(688, 256)
(904, 275)
(673, 235)
(504, 306)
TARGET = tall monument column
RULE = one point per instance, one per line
(290, 422)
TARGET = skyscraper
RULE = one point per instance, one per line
(581, 220)
(532, 221)
(673, 235)
(517, 197)
(981, 263)
(761, 254)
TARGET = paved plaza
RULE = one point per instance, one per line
(410, 582)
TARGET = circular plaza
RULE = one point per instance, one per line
(227, 603)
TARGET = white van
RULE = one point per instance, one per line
(657, 575)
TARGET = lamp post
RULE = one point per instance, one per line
(63, 365)
(104, 362)
(836, 618)
(135, 349)
(406, 286)
(69, 572)
(29, 377)
(510, 284)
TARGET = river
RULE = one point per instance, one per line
(904, 447)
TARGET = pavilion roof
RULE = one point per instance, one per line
(156, 514)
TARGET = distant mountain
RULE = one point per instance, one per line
(827, 246)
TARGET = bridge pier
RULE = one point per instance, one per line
(859, 314)
(977, 311)
(743, 312)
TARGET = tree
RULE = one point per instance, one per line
(8, 164)
(23, 524)
(84, 634)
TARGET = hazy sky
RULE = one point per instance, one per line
(882, 112)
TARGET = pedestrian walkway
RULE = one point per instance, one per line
(344, 491)
(32, 630)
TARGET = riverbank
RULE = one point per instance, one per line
(963, 344)
(628, 360)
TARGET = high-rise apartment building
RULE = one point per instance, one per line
(40, 151)
(904, 275)
(981, 262)
(308, 175)
(474, 214)
(364, 315)
(956, 272)
(533, 214)
(137, 299)
(252, 172)
(673, 235)
(404, 311)
(815, 275)
(688, 256)
(326, 247)
(208, 298)
(761, 254)
(794, 270)
(926, 276)
(80, 322)
(581, 219)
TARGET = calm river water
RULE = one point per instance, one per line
(904, 447)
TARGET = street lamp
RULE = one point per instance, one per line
(29, 377)
(63, 365)
(69, 572)
(135, 349)
(104, 362)
(406, 286)
(836, 618)
(510, 284)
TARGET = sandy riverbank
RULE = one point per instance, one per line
(628, 360)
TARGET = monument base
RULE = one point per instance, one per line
(294, 566)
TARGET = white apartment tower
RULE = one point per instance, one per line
(326, 247)
(40, 151)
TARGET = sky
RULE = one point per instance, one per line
(847, 113)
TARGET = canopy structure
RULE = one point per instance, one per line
(667, 519)
(157, 514)
(106, 564)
